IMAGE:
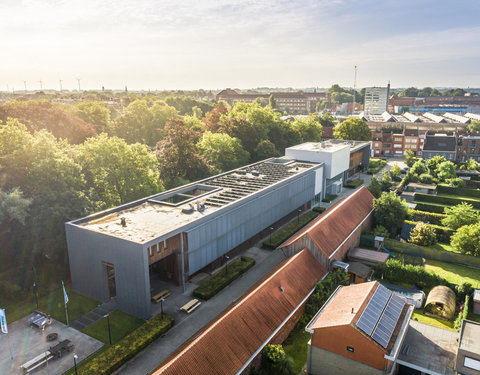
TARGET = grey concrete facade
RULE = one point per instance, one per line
(323, 362)
(208, 238)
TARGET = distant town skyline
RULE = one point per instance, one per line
(245, 43)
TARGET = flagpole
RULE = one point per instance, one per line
(4, 329)
(65, 299)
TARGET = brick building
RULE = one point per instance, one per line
(468, 147)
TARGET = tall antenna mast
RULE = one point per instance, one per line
(41, 85)
(25, 86)
(354, 89)
(60, 84)
(78, 80)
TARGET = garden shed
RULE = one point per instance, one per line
(441, 302)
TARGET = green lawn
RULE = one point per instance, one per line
(437, 322)
(454, 273)
(296, 347)
(444, 246)
(53, 304)
(121, 324)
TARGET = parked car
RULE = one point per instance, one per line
(404, 170)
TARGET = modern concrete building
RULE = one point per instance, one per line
(177, 233)
(342, 159)
(468, 353)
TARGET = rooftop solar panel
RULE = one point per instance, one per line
(369, 318)
(388, 321)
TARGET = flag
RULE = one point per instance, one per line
(3, 321)
(65, 297)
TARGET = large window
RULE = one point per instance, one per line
(474, 364)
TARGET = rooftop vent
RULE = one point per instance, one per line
(123, 222)
(188, 210)
(241, 172)
(282, 289)
(200, 206)
(255, 173)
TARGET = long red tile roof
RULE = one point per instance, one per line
(331, 228)
(230, 340)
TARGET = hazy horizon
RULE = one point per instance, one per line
(212, 45)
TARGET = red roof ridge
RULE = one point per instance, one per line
(244, 299)
(321, 219)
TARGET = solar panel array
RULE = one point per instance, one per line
(381, 315)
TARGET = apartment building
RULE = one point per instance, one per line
(468, 147)
(376, 100)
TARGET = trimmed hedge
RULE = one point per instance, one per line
(318, 209)
(431, 217)
(329, 197)
(289, 230)
(462, 315)
(127, 348)
(375, 165)
(440, 199)
(217, 282)
(445, 189)
(443, 233)
(430, 207)
(354, 183)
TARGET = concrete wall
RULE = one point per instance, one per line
(323, 362)
(461, 360)
(88, 249)
(216, 237)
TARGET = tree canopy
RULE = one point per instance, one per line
(354, 129)
(460, 215)
(390, 212)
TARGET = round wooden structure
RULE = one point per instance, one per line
(441, 302)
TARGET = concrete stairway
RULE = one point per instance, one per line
(94, 315)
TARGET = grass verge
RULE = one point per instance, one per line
(216, 283)
(453, 273)
(296, 345)
(121, 324)
(422, 318)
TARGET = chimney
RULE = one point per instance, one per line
(123, 222)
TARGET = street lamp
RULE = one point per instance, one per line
(161, 304)
(298, 215)
(271, 230)
(75, 357)
(108, 325)
(226, 264)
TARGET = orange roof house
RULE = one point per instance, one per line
(360, 330)
(264, 314)
(332, 234)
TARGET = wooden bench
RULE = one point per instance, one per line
(163, 294)
(190, 306)
(36, 362)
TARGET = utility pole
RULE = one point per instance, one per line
(60, 81)
(78, 80)
(354, 89)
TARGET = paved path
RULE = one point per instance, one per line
(94, 315)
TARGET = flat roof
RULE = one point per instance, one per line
(422, 186)
(164, 213)
(470, 336)
(429, 348)
(324, 146)
(360, 254)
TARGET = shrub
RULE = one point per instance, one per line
(443, 233)
(329, 197)
(410, 158)
(375, 165)
(429, 207)
(425, 178)
(423, 235)
(446, 171)
(216, 283)
(456, 182)
(116, 355)
(462, 290)
(375, 187)
(428, 217)
(275, 361)
(354, 183)
(467, 239)
(289, 230)
(318, 209)
(465, 192)
(418, 168)
(381, 231)
(462, 314)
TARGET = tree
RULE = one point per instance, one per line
(467, 239)
(118, 173)
(395, 171)
(423, 235)
(264, 150)
(275, 361)
(341, 97)
(95, 113)
(473, 164)
(386, 182)
(186, 106)
(309, 128)
(381, 231)
(13, 207)
(375, 187)
(474, 126)
(272, 102)
(433, 163)
(354, 129)
(446, 170)
(178, 156)
(425, 178)
(460, 215)
(327, 120)
(419, 168)
(410, 92)
(410, 158)
(390, 211)
(222, 151)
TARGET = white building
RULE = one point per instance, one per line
(376, 100)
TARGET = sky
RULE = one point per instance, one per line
(191, 44)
